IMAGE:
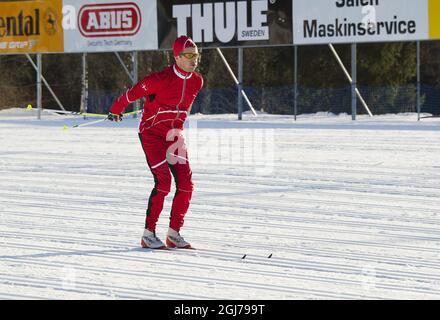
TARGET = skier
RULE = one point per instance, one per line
(169, 95)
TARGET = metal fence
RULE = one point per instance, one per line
(279, 100)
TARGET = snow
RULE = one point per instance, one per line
(348, 210)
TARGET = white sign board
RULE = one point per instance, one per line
(106, 25)
(345, 21)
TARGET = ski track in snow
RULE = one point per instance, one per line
(347, 210)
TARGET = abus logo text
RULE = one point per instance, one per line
(101, 20)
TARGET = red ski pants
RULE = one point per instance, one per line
(167, 159)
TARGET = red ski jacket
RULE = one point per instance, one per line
(169, 95)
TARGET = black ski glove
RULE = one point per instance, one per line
(114, 117)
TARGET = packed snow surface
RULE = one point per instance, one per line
(323, 208)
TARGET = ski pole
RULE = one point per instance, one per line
(86, 114)
(88, 123)
(132, 112)
(99, 120)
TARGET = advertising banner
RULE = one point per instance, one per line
(106, 25)
(49, 26)
(434, 19)
(350, 21)
(31, 26)
(226, 23)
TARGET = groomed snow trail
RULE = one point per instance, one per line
(347, 210)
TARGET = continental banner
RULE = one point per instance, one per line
(106, 25)
(31, 26)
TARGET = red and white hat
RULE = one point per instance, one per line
(181, 43)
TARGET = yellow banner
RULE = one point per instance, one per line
(434, 19)
(31, 26)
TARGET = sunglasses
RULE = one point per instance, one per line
(190, 55)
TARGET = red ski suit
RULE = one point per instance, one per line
(169, 95)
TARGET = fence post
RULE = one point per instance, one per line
(295, 80)
(39, 88)
(354, 81)
(418, 81)
(240, 83)
(134, 58)
(85, 85)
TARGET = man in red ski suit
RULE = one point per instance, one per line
(169, 95)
